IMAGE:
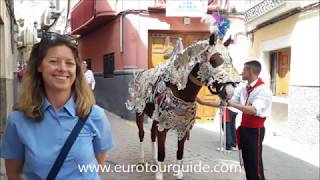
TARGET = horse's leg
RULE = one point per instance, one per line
(180, 150)
(139, 122)
(154, 132)
(161, 153)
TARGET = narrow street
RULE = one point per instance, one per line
(199, 149)
(199, 152)
(133, 51)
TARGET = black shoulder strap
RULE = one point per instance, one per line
(66, 147)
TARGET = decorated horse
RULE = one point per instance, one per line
(167, 93)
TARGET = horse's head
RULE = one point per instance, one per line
(215, 57)
(219, 74)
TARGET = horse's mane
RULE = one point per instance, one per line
(180, 64)
(176, 71)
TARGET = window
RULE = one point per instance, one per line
(108, 65)
(280, 72)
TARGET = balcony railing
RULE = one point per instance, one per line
(262, 8)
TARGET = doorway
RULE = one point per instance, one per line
(280, 71)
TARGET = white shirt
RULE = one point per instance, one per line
(236, 91)
(260, 98)
(90, 78)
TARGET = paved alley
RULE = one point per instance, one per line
(199, 149)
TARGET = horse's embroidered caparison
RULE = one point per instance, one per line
(150, 86)
(174, 113)
(153, 85)
(167, 93)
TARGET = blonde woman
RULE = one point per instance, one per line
(55, 95)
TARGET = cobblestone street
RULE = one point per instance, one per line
(199, 149)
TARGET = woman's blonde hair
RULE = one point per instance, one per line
(32, 96)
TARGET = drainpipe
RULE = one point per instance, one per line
(95, 8)
(57, 5)
(67, 16)
(121, 33)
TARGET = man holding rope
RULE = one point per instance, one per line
(255, 102)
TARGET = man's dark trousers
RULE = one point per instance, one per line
(231, 130)
(251, 145)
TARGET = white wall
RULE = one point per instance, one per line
(8, 56)
(304, 44)
(297, 113)
(305, 50)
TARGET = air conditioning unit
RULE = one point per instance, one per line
(20, 44)
(49, 16)
(26, 38)
(20, 39)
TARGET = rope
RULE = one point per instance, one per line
(195, 81)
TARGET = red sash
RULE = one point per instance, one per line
(225, 112)
(252, 121)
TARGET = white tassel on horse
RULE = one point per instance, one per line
(223, 130)
(154, 151)
(178, 172)
(141, 153)
(160, 170)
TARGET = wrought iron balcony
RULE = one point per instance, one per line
(262, 8)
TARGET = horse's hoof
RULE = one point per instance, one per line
(159, 175)
(140, 166)
(179, 175)
(154, 151)
(142, 162)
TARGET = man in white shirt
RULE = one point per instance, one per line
(88, 74)
(255, 102)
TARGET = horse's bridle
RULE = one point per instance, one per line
(219, 88)
(216, 88)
